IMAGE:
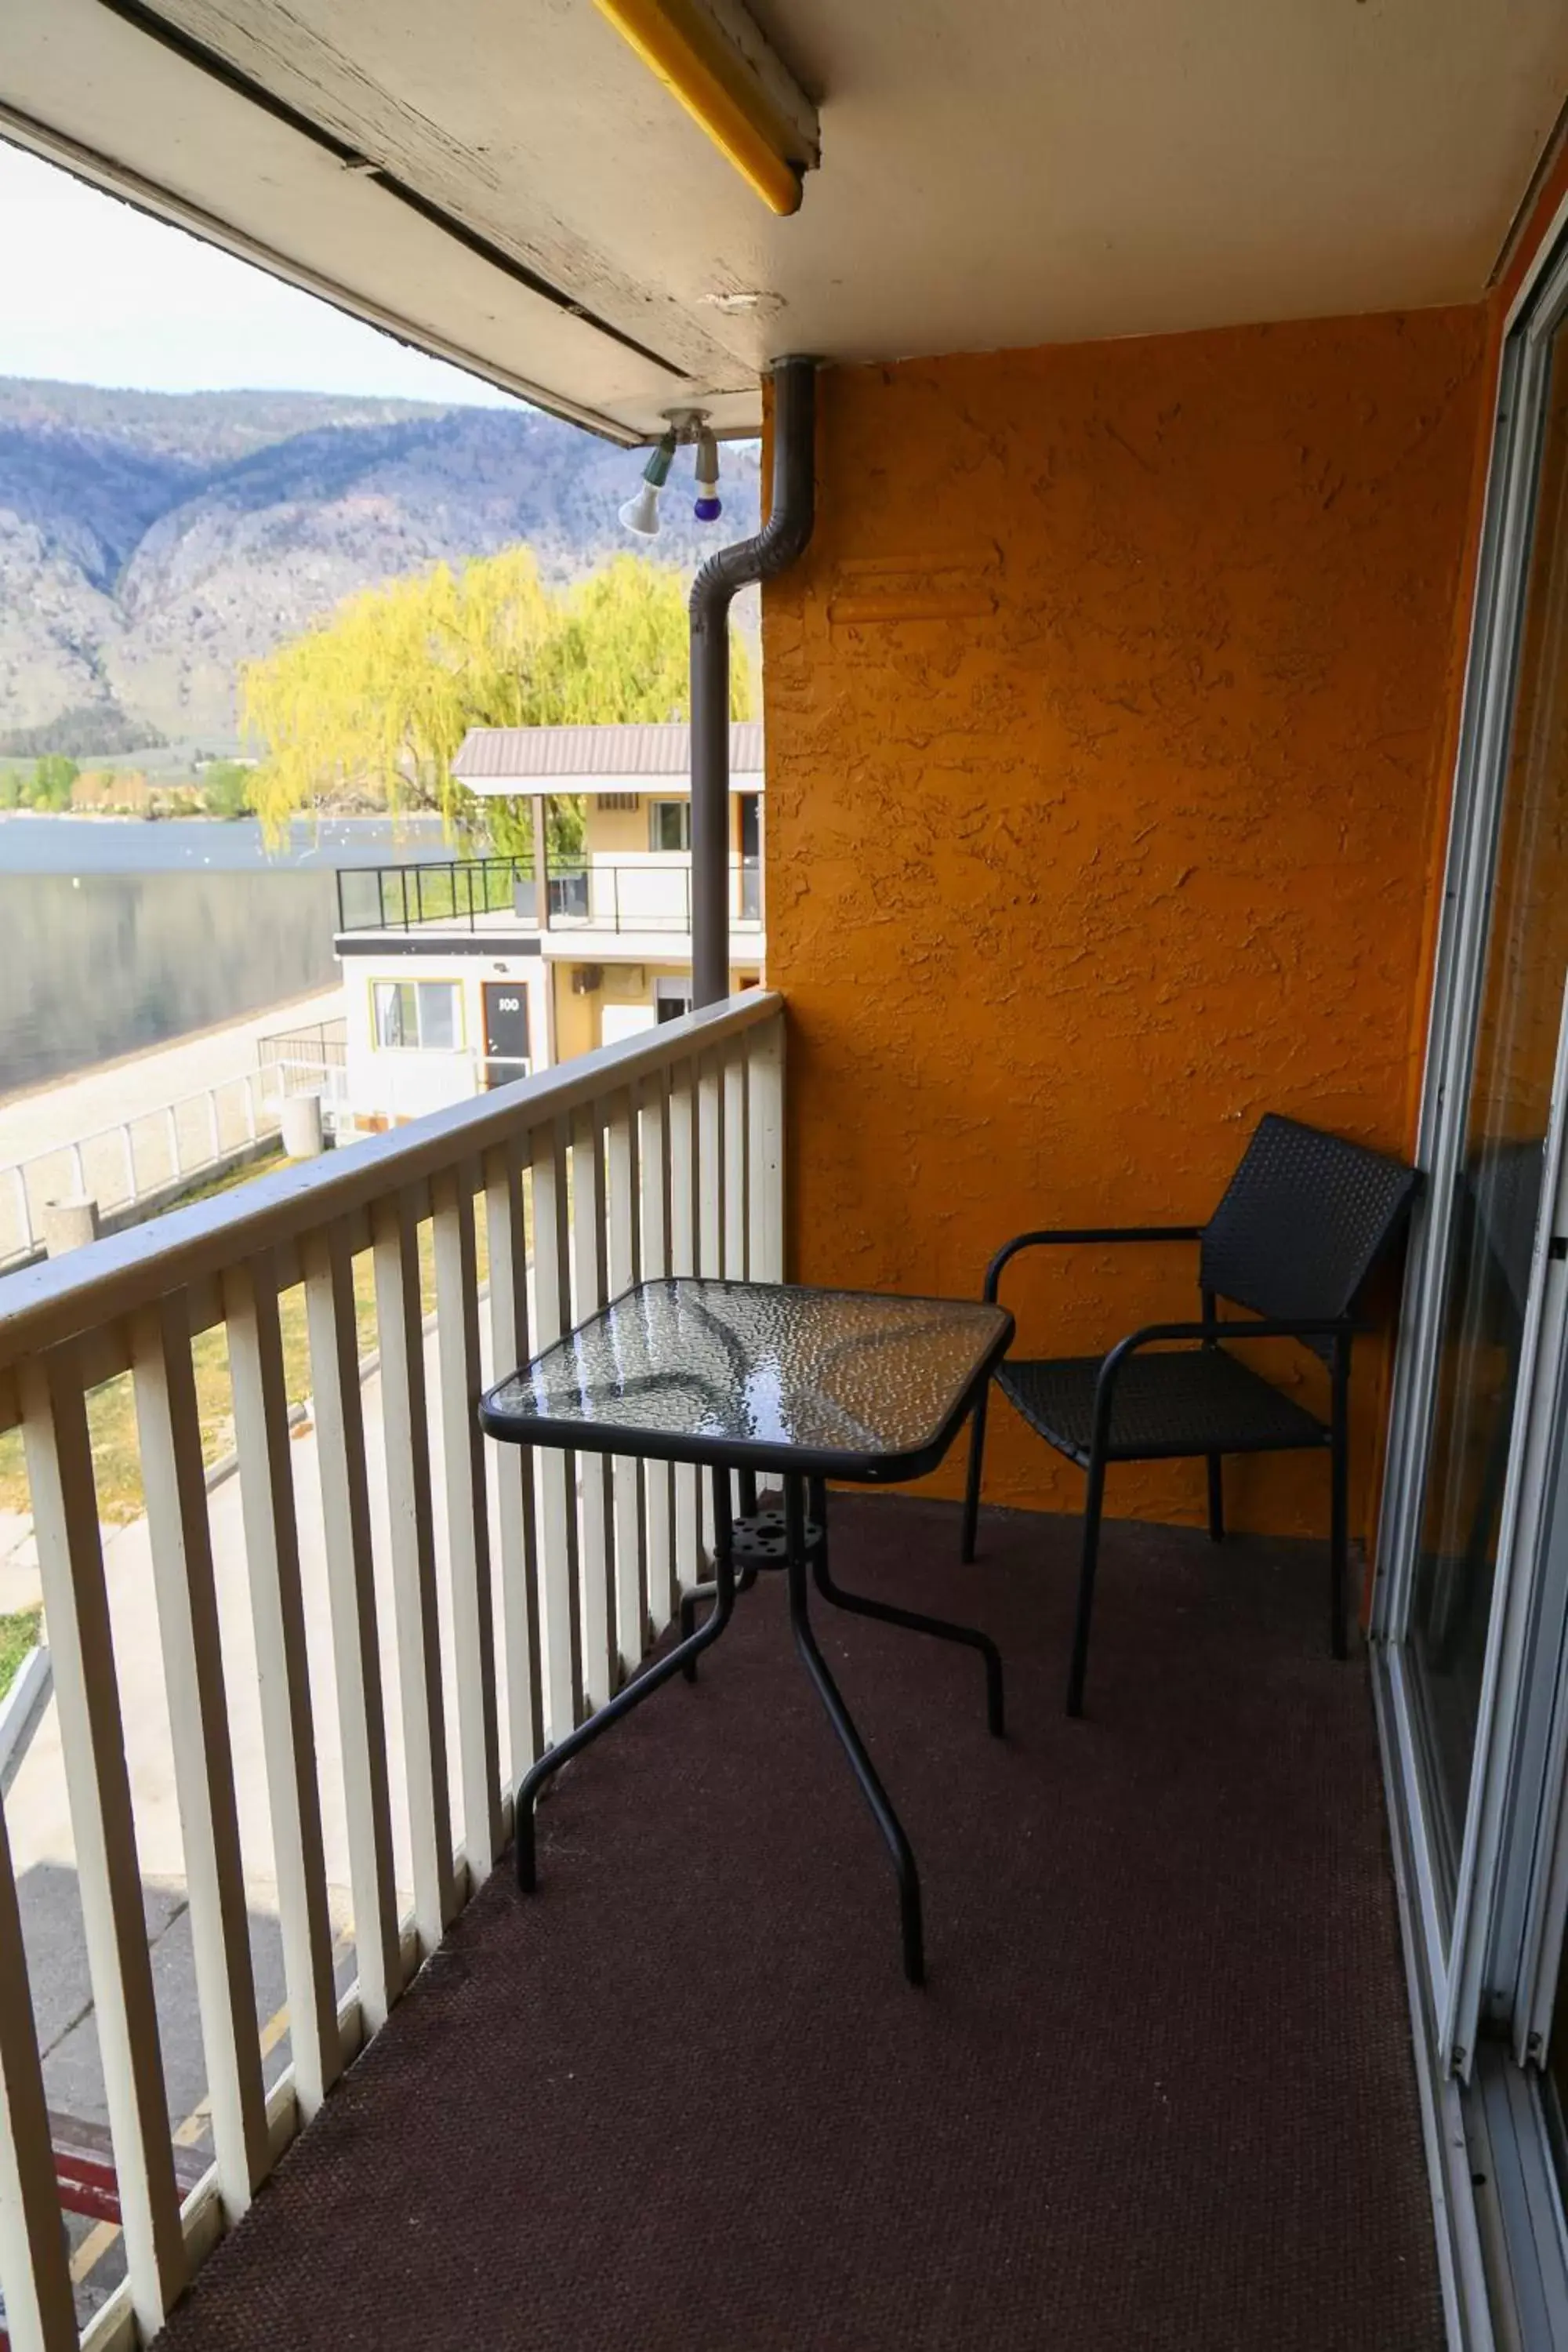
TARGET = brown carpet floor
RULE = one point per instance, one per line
(1158, 2094)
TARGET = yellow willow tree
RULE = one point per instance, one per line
(373, 704)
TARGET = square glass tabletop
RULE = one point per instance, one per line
(840, 1384)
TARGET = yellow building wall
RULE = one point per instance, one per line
(625, 832)
(615, 833)
(579, 1024)
(576, 1017)
(1110, 719)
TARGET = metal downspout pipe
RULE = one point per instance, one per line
(782, 539)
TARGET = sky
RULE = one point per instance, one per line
(92, 292)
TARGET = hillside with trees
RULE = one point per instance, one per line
(150, 544)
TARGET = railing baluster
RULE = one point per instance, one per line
(174, 1481)
(406, 1430)
(467, 1521)
(511, 1467)
(653, 1158)
(351, 1587)
(709, 1165)
(764, 1151)
(39, 2314)
(683, 1222)
(23, 1207)
(624, 1256)
(92, 1741)
(599, 1678)
(287, 1724)
(734, 1159)
(556, 1471)
(710, 1140)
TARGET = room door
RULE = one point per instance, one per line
(750, 857)
(507, 1055)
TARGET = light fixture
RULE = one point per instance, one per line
(641, 513)
(711, 57)
(683, 427)
(708, 506)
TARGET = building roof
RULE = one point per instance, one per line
(596, 758)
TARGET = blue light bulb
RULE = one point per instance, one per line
(708, 507)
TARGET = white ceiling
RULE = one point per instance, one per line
(994, 173)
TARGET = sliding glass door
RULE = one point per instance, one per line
(1487, 1249)
(1471, 1610)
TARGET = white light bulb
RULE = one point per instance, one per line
(641, 513)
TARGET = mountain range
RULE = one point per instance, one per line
(150, 541)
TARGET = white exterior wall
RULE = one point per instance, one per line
(392, 1084)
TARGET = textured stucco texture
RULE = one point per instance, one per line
(1109, 721)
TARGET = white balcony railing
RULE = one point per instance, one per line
(138, 1163)
(512, 1596)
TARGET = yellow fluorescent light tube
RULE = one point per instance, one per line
(711, 57)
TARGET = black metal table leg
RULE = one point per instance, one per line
(635, 1691)
(940, 1628)
(843, 1723)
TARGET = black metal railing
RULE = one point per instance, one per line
(296, 1060)
(600, 895)
(456, 891)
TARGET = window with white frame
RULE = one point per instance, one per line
(417, 1016)
(669, 825)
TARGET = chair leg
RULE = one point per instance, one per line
(1093, 1505)
(1217, 1499)
(972, 1484)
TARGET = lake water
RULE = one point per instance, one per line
(116, 933)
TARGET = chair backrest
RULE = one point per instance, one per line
(1303, 1220)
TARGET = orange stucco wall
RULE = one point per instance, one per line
(1110, 719)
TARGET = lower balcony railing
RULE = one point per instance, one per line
(512, 1596)
(631, 896)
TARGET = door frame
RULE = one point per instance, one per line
(1445, 1881)
(1480, 1923)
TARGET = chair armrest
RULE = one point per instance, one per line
(1340, 1327)
(1069, 1234)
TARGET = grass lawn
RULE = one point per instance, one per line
(19, 1634)
(112, 1409)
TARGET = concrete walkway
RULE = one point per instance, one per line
(114, 1132)
(47, 1117)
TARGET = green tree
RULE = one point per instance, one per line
(225, 788)
(53, 778)
(371, 705)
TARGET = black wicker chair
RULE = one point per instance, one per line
(1304, 1220)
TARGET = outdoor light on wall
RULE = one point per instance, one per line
(640, 513)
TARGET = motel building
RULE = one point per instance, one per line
(467, 975)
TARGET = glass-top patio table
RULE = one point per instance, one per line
(745, 1378)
